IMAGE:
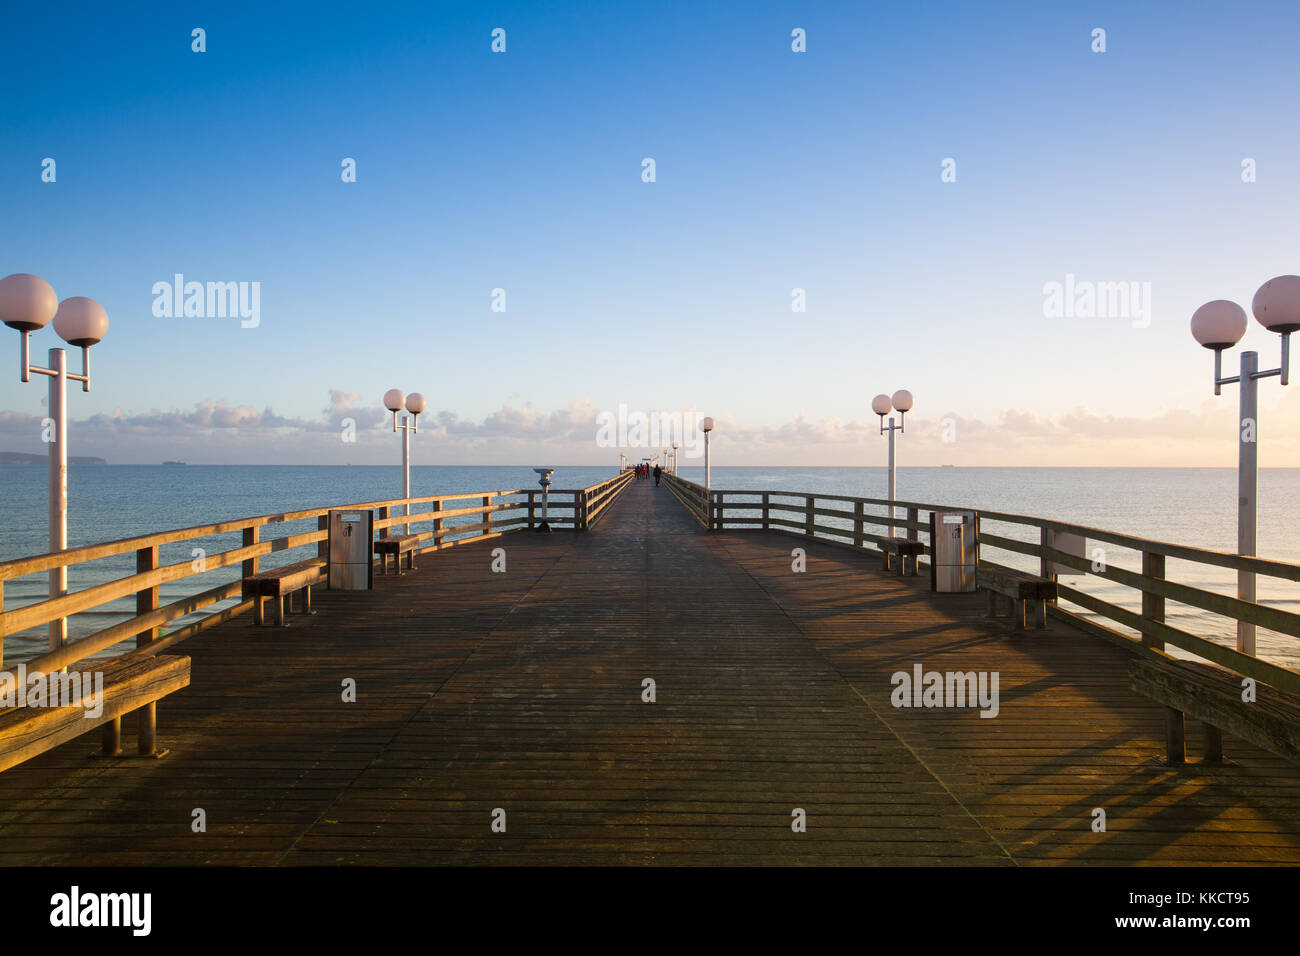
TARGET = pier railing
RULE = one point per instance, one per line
(212, 550)
(863, 522)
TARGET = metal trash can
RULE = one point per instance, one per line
(351, 552)
(954, 551)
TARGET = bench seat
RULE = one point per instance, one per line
(1212, 695)
(1023, 589)
(903, 548)
(280, 585)
(128, 685)
(397, 545)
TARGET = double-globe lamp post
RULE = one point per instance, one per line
(28, 303)
(882, 405)
(414, 403)
(1219, 325)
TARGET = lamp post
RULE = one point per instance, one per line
(1219, 325)
(675, 447)
(707, 426)
(27, 303)
(901, 401)
(545, 482)
(393, 401)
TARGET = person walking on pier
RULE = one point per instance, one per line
(657, 473)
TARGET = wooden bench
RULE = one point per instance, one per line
(280, 585)
(902, 547)
(397, 545)
(1212, 695)
(1024, 590)
(128, 685)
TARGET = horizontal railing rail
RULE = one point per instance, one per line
(593, 501)
(799, 513)
(689, 494)
(451, 519)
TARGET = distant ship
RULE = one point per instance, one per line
(173, 463)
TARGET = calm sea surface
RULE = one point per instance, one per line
(1185, 506)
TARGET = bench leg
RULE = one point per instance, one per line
(1019, 611)
(410, 560)
(279, 611)
(1213, 744)
(306, 600)
(1040, 614)
(259, 612)
(147, 730)
(112, 737)
(1175, 736)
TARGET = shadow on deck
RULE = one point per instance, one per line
(523, 691)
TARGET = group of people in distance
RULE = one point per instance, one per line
(644, 470)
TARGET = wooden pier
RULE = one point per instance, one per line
(523, 691)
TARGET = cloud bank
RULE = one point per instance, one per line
(352, 429)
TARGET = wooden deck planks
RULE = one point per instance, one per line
(523, 691)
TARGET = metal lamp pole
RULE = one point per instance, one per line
(707, 425)
(27, 303)
(882, 405)
(393, 401)
(1219, 325)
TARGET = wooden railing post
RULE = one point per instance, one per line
(383, 514)
(146, 600)
(437, 525)
(1044, 562)
(1153, 605)
(913, 516)
(323, 546)
(767, 511)
(808, 515)
(858, 515)
(251, 537)
(532, 509)
(487, 515)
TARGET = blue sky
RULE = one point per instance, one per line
(775, 170)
